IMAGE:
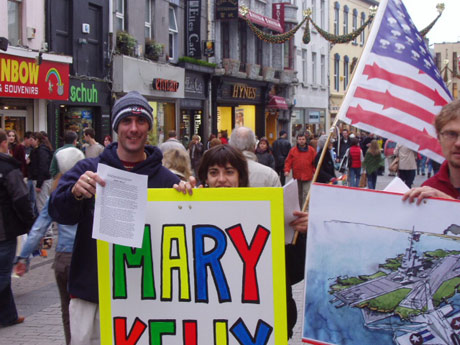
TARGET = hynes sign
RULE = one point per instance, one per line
(244, 91)
(84, 94)
(165, 85)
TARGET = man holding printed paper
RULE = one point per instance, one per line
(73, 202)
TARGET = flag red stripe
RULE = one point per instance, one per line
(375, 71)
(421, 138)
(389, 101)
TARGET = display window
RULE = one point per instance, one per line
(77, 119)
(190, 124)
(164, 120)
(245, 115)
(14, 120)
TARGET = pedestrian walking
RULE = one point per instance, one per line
(407, 165)
(301, 160)
(16, 218)
(39, 168)
(355, 156)
(281, 148)
(372, 162)
(264, 153)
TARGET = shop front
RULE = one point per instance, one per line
(193, 111)
(238, 102)
(161, 84)
(88, 107)
(26, 85)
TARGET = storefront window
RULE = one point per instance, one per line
(224, 119)
(190, 125)
(245, 115)
(78, 119)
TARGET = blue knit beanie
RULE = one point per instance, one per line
(131, 104)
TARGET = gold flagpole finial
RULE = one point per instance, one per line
(244, 10)
(440, 7)
(307, 12)
(373, 10)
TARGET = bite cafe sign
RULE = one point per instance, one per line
(23, 78)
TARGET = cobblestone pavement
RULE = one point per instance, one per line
(37, 299)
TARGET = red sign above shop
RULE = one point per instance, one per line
(24, 78)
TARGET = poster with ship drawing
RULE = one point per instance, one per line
(380, 270)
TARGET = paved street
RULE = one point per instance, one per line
(37, 299)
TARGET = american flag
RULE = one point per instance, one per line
(397, 90)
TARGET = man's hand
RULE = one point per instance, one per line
(286, 174)
(421, 193)
(20, 268)
(186, 187)
(301, 223)
(85, 188)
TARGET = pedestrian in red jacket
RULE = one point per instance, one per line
(301, 159)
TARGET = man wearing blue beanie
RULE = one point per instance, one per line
(73, 202)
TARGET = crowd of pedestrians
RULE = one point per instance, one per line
(64, 185)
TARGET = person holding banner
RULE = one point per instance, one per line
(73, 202)
(226, 166)
(446, 183)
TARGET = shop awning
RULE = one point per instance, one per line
(261, 20)
(277, 102)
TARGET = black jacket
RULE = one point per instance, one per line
(327, 171)
(39, 167)
(266, 158)
(16, 215)
(65, 209)
(281, 148)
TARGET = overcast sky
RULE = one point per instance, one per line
(423, 12)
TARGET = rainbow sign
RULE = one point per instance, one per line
(24, 78)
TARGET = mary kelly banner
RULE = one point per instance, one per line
(208, 272)
(24, 78)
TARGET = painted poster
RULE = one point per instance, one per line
(211, 271)
(381, 271)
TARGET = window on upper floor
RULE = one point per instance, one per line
(346, 60)
(148, 19)
(304, 5)
(322, 13)
(289, 51)
(173, 33)
(345, 20)
(336, 72)
(336, 18)
(14, 22)
(259, 47)
(304, 66)
(225, 39)
(243, 38)
(455, 63)
(313, 68)
(313, 10)
(355, 24)
(363, 34)
(437, 60)
(119, 24)
(323, 70)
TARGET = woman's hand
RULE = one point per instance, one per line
(301, 223)
(186, 187)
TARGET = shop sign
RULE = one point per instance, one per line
(226, 9)
(193, 38)
(244, 91)
(194, 84)
(84, 94)
(314, 117)
(208, 48)
(165, 85)
(24, 78)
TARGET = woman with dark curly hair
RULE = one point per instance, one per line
(17, 150)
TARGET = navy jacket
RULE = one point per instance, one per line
(65, 209)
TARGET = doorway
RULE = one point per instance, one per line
(14, 119)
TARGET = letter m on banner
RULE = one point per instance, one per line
(397, 91)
